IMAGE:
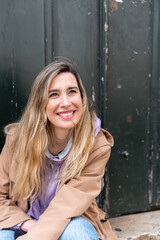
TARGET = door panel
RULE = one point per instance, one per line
(132, 115)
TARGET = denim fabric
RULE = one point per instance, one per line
(10, 234)
(79, 228)
(7, 235)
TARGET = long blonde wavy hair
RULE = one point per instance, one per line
(31, 135)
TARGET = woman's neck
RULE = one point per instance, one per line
(59, 141)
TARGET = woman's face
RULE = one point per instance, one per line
(64, 107)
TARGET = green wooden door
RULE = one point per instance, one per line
(116, 47)
(133, 87)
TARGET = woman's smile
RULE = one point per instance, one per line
(66, 114)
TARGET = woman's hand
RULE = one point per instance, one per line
(27, 225)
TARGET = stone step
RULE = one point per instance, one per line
(139, 226)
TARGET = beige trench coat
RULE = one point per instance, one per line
(76, 198)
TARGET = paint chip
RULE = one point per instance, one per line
(105, 6)
(105, 27)
(129, 119)
(93, 94)
(114, 6)
(135, 52)
(119, 86)
(137, 111)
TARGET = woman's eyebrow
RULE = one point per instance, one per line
(53, 90)
(74, 87)
(57, 90)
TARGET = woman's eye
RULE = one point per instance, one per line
(53, 95)
(72, 91)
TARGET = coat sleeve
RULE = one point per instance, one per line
(10, 213)
(73, 199)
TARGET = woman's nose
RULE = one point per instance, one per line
(65, 100)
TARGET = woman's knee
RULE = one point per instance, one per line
(79, 228)
(7, 235)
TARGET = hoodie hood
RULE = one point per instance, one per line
(98, 125)
(106, 133)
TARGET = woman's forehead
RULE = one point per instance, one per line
(64, 79)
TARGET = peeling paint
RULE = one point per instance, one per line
(119, 86)
(134, 3)
(131, 59)
(93, 94)
(135, 52)
(129, 119)
(149, 75)
(105, 27)
(114, 6)
(150, 178)
(105, 6)
(137, 111)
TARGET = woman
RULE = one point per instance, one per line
(53, 162)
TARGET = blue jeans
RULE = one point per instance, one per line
(78, 228)
(10, 235)
(7, 235)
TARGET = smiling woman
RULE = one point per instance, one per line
(64, 109)
(53, 162)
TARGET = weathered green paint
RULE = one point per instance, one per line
(133, 107)
(33, 33)
(154, 113)
(22, 53)
(116, 47)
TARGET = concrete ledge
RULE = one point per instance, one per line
(140, 226)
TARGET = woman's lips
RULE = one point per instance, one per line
(66, 114)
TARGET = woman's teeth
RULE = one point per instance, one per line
(66, 114)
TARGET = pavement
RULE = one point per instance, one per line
(140, 226)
